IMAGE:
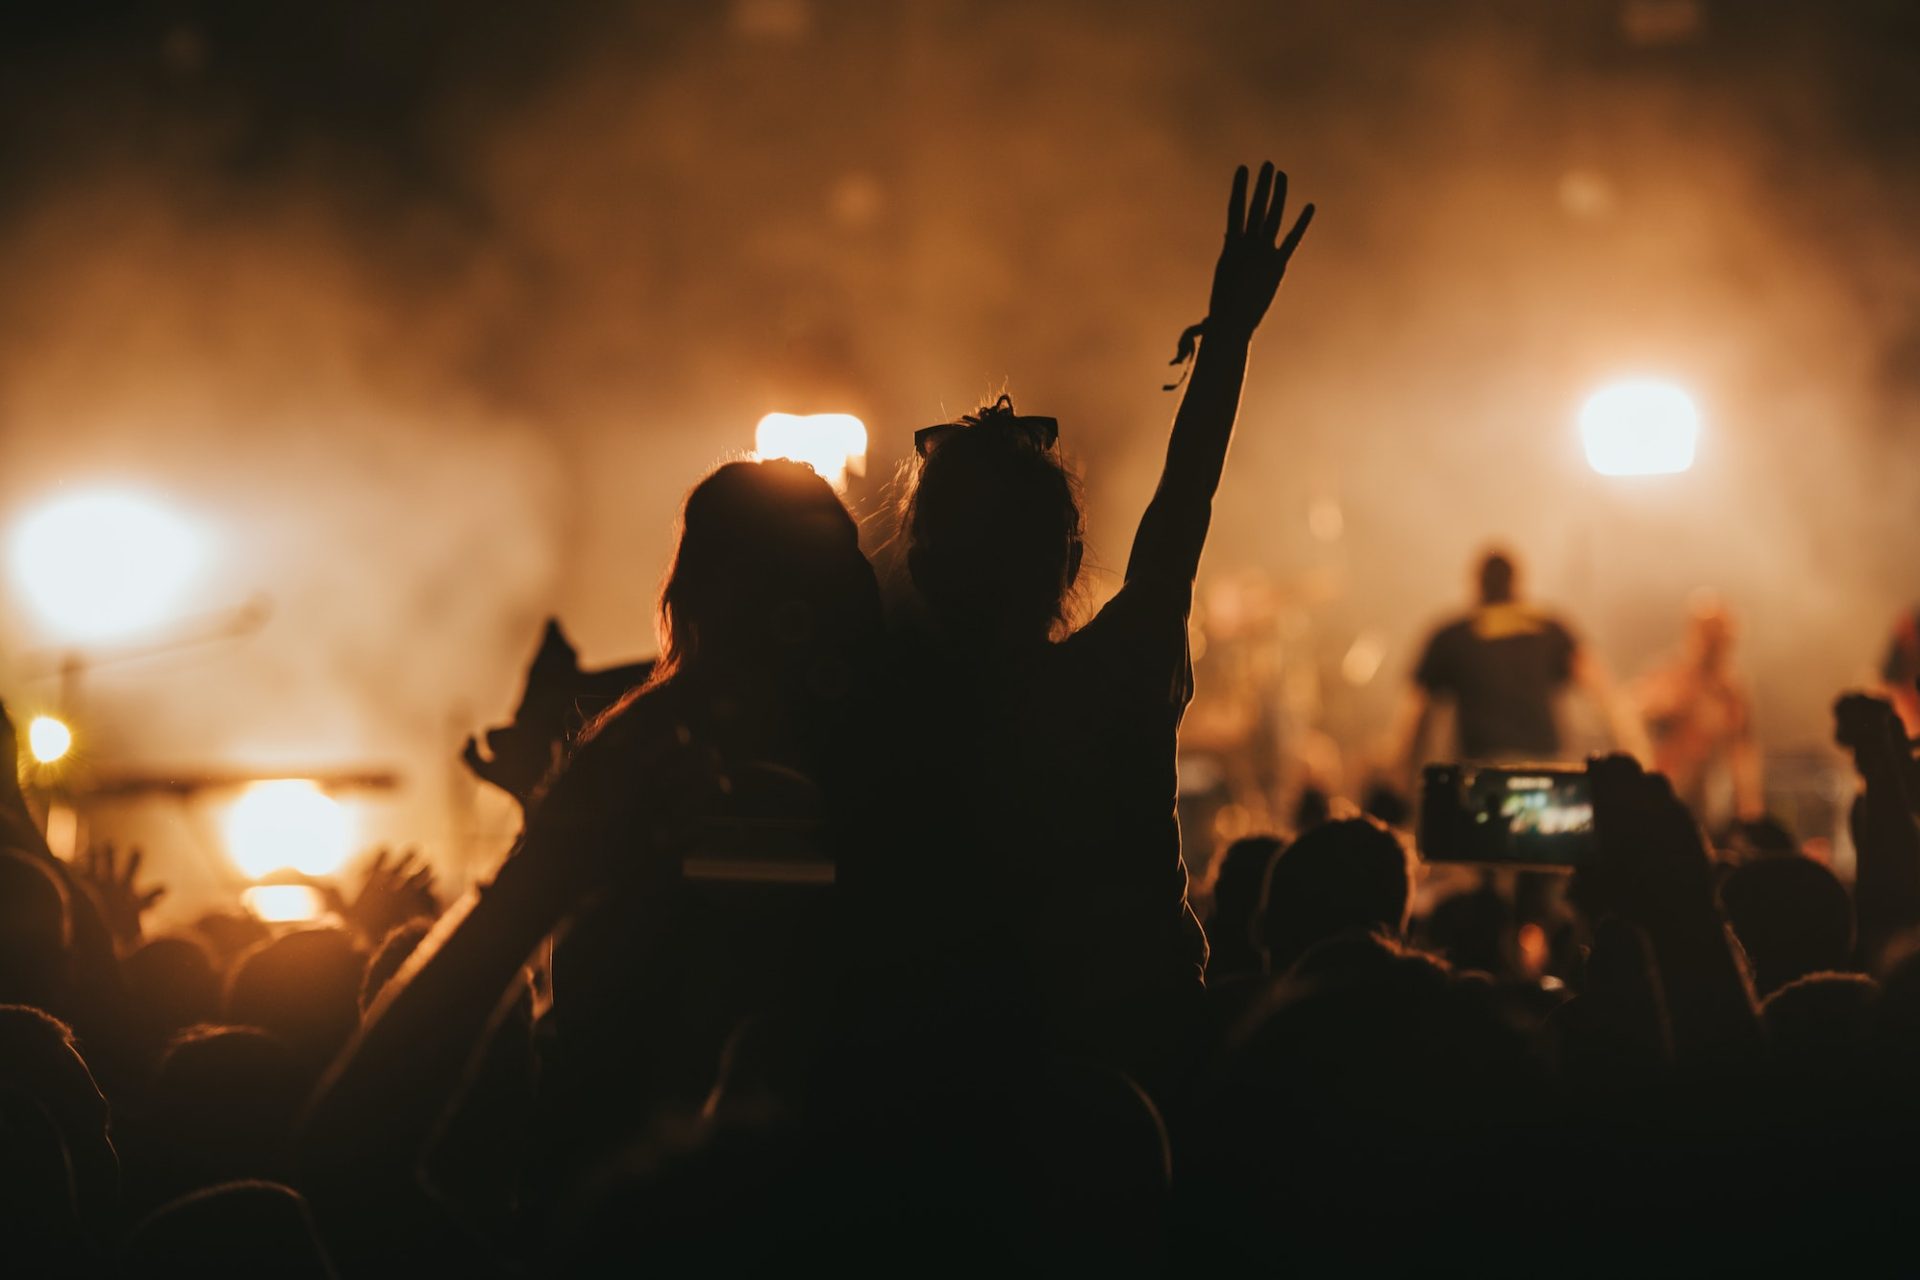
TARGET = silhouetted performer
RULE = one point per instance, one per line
(1699, 715)
(1503, 667)
(1045, 763)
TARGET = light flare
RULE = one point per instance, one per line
(48, 739)
(288, 823)
(282, 903)
(833, 444)
(1640, 427)
(105, 563)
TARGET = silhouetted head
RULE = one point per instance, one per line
(1822, 1024)
(993, 528)
(1498, 578)
(304, 987)
(171, 985)
(228, 934)
(1331, 1082)
(1238, 878)
(39, 1058)
(1793, 917)
(39, 1208)
(768, 576)
(225, 1099)
(1349, 876)
(1388, 803)
(34, 929)
(1762, 837)
(1475, 929)
(240, 1229)
(1311, 808)
(1710, 630)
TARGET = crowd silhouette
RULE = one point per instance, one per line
(862, 937)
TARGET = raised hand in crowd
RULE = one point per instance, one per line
(1245, 279)
(558, 699)
(1653, 871)
(1254, 257)
(393, 890)
(113, 883)
(388, 1090)
(1885, 837)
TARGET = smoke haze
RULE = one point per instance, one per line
(433, 316)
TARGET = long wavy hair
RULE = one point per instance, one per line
(768, 587)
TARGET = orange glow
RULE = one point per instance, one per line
(283, 902)
(102, 564)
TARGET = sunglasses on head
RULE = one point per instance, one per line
(1041, 433)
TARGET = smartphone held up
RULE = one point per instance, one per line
(1538, 817)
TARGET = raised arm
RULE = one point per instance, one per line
(1886, 839)
(1652, 870)
(610, 818)
(1252, 261)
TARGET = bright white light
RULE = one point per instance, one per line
(282, 902)
(1639, 428)
(833, 444)
(48, 739)
(102, 564)
(288, 823)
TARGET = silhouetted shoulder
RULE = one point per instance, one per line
(1438, 668)
(1140, 637)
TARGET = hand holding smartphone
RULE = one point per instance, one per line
(1538, 817)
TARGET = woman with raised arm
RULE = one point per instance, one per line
(1043, 778)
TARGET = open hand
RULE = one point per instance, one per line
(122, 902)
(1254, 256)
(393, 890)
(517, 759)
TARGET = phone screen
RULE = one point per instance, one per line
(1525, 816)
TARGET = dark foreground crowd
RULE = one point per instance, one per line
(861, 938)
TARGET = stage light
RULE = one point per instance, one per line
(104, 563)
(288, 823)
(833, 444)
(48, 739)
(281, 903)
(1642, 427)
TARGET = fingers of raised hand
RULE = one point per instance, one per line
(1237, 203)
(1294, 236)
(1270, 229)
(378, 870)
(1263, 194)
